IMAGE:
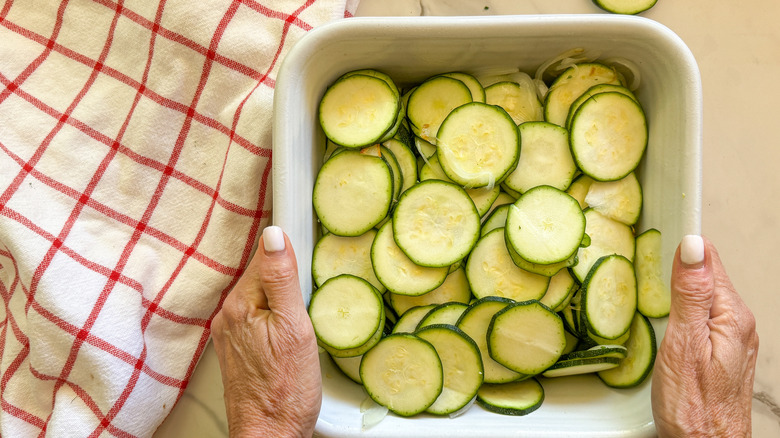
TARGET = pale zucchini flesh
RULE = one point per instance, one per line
(454, 288)
(526, 337)
(435, 223)
(352, 193)
(478, 145)
(357, 110)
(545, 158)
(403, 373)
(514, 398)
(491, 271)
(653, 293)
(461, 366)
(545, 225)
(609, 296)
(640, 357)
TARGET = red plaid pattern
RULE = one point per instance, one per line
(135, 151)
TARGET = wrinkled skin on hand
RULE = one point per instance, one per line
(703, 376)
(267, 351)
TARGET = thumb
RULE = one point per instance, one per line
(278, 270)
(693, 283)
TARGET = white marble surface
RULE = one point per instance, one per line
(737, 47)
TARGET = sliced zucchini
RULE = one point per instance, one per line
(478, 145)
(571, 84)
(432, 101)
(609, 297)
(350, 366)
(628, 7)
(579, 189)
(526, 337)
(521, 103)
(435, 223)
(346, 313)
(491, 271)
(639, 360)
(454, 288)
(573, 367)
(615, 351)
(496, 219)
(357, 110)
(545, 225)
(653, 294)
(407, 162)
(545, 158)
(446, 313)
(477, 91)
(607, 236)
(403, 373)
(572, 341)
(562, 286)
(482, 197)
(411, 319)
(620, 200)
(548, 270)
(515, 398)
(608, 136)
(395, 171)
(334, 255)
(475, 322)
(461, 365)
(352, 193)
(596, 89)
(397, 272)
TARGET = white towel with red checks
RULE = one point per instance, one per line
(135, 179)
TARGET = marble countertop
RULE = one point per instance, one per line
(736, 45)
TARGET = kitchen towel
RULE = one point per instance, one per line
(135, 179)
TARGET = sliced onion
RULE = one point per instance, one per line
(373, 413)
(624, 66)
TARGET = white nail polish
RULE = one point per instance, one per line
(692, 250)
(273, 239)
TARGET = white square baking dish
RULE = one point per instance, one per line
(412, 49)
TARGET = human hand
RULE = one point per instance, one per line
(266, 347)
(703, 376)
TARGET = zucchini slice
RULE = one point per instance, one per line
(608, 136)
(482, 197)
(491, 271)
(545, 225)
(609, 297)
(478, 145)
(607, 236)
(596, 89)
(357, 110)
(397, 272)
(350, 366)
(352, 193)
(477, 91)
(640, 357)
(409, 321)
(573, 367)
(435, 223)
(545, 158)
(628, 7)
(347, 313)
(335, 255)
(461, 365)
(570, 84)
(653, 294)
(454, 288)
(521, 103)
(432, 101)
(526, 337)
(446, 313)
(562, 286)
(475, 322)
(515, 398)
(403, 373)
(620, 200)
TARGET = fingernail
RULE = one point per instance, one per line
(692, 250)
(273, 239)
